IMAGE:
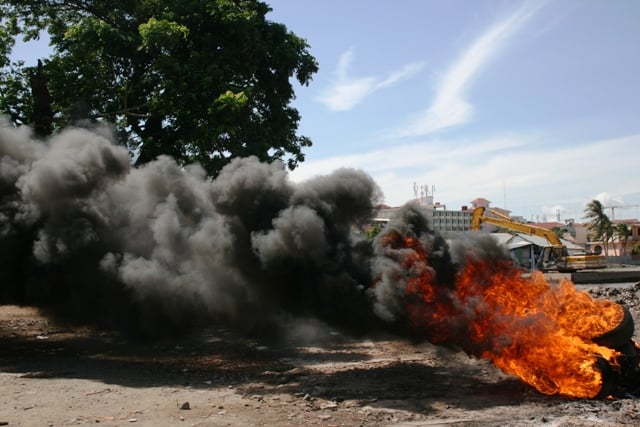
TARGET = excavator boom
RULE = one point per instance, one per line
(504, 221)
(556, 252)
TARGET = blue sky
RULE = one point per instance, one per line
(534, 105)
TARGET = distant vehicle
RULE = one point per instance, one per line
(553, 257)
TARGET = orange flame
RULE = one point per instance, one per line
(540, 332)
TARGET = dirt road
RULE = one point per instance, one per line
(56, 375)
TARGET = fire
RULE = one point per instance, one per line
(538, 331)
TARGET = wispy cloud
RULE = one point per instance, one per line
(425, 155)
(534, 173)
(346, 92)
(450, 106)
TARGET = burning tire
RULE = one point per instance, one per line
(610, 378)
(630, 367)
(618, 336)
(624, 377)
(625, 374)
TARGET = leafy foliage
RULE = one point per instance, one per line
(558, 231)
(599, 225)
(373, 231)
(200, 80)
(622, 232)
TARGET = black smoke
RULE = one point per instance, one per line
(161, 249)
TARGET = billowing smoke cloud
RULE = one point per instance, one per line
(162, 249)
(416, 275)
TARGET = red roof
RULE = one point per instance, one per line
(625, 221)
(383, 206)
(480, 202)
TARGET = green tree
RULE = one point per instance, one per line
(200, 80)
(373, 231)
(622, 232)
(599, 224)
(558, 231)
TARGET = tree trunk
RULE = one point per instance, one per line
(151, 135)
(42, 111)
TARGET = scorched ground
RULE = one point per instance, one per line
(52, 374)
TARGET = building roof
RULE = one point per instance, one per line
(625, 221)
(518, 240)
(480, 202)
(503, 238)
(383, 206)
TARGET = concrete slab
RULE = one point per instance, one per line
(607, 275)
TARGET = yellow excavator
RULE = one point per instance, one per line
(553, 257)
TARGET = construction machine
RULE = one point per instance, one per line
(555, 256)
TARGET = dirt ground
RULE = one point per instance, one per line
(55, 375)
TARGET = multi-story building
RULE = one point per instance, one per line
(444, 220)
(441, 219)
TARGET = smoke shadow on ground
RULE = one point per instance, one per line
(220, 360)
(384, 373)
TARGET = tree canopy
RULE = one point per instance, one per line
(200, 80)
(599, 225)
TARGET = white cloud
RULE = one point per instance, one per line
(450, 107)
(615, 205)
(524, 172)
(346, 92)
(397, 76)
(608, 199)
(423, 155)
(551, 213)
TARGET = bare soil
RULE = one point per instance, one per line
(56, 375)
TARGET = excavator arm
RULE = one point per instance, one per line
(555, 255)
(502, 220)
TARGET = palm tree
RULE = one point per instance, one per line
(623, 232)
(599, 225)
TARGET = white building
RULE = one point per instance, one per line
(441, 219)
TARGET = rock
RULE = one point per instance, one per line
(329, 405)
